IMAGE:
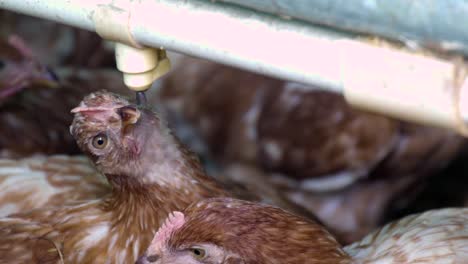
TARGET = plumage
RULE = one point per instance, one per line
(320, 152)
(234, 231)
(48, 181)
(36, 120)
(150, 173)
(437, 236)
(225, 230)
(19, 68)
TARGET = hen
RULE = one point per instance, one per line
(20, 69)
(150, 173)
(25, 121)
(35, 120)
(345, 165)
(223, 230)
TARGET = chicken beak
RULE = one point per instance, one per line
(47, 79)
(45, 83)
(141, 98)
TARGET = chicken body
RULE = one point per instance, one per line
(150, 174)
(437, 236)
(19, 68)
(346, 166)
(36, 120)
(223, 230)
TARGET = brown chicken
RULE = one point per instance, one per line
(223, 230)
(36, 119)
(346, 166)
(19, 68)
(34, 104)
(24, 121)
(150, 173)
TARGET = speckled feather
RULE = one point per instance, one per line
(437, 236)
(48, 181)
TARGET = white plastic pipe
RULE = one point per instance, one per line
(398, 83)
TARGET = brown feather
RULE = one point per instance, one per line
(253, 233)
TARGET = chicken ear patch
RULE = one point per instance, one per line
(173, 222)
(129, 115)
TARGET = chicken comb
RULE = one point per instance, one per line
(18, 43)
(129, 114)
(81, 109)
(173, 222)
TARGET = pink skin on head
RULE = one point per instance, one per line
(173, 222)
(101, 113)
(81, 109)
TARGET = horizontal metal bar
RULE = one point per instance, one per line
(382, 79)
(223, 33)
(437, 24)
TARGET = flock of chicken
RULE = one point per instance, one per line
(283, 172)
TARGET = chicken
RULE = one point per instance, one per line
(150, 173)
(437, 236)
(224, 230)
(25, 122)
(48, 181)
(19, 69)
(39, 117)
(311, 145)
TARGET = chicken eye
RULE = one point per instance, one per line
(51, 73)
(100, 141)
(152, 258)
(198, 253)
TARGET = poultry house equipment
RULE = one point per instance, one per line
(278, 41)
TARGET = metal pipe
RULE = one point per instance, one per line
(235, 36)
(390, 81)
(438, 24)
